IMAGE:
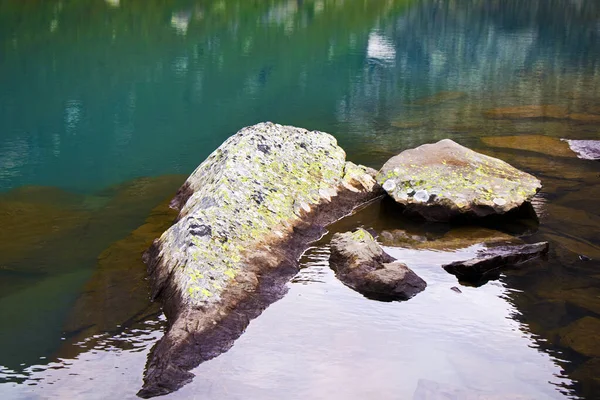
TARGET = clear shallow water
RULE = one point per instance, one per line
(94, 94)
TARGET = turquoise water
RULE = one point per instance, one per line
(106, 106)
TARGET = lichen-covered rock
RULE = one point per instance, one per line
(246, 215)
(362, 264)
(586, 149)
(443, 180)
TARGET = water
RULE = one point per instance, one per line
(106, 106)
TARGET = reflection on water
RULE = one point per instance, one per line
(94, 94)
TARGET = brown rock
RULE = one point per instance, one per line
(362, 264)
(537, 143)
(458, 238)
(530, 111)
(585, 118)
(583, 336)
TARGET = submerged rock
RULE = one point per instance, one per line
(362, 264)
(496, 257)
(530, 111)
(246, 215)
(537, 143)
(586, 149)
(444, 180)
(458, 238)
(583, 336)
(117, 293)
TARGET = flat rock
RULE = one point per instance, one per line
(444, 180)
(458, 238)
(362, 264)
(246, 214)
(583, 336)
(537, 143)
(585, 149)
(528, 111)
(496, 257)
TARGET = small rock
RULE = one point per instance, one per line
(362, 264)
(455, 289)
(584, 258)
(491, 259)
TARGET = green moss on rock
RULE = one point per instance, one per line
(255, 186)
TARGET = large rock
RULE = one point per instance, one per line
(444, 180)
(586, 149)
(246, 215)
(362, 264)
(495, 257)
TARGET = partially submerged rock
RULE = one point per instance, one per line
(586, 149)
(362, 264)
(246, 215)
(444, 180)
(493, 258)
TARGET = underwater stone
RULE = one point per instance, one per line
(466, 183)
(246, 215)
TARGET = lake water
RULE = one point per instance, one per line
(106, 106)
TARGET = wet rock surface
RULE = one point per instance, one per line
(362, 264)
(493, 258)
(246, 215)
(445, 180)
(586, 149)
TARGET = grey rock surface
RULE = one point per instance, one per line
(444, 180)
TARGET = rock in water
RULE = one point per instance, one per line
(443, 180)
(586, 149)
(246, 215)
(362, 264)
(494, 258)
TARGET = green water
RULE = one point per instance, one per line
(106, 106)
